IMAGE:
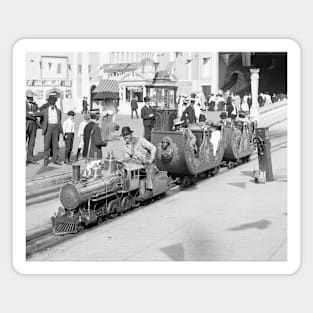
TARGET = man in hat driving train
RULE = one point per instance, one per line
(139, 149)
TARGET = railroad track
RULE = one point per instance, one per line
(45, 239)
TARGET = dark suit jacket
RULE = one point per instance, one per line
(45, 120)
(93, 141)
(189, 115)
(133, 104)
(147, 120)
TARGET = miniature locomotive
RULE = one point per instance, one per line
(108, 190)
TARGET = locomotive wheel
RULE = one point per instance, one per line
(186, 181)
(113, 208)
(126, 204)
(80, 227)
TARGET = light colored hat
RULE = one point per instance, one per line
(177, 122)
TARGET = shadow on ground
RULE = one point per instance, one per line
(262, 224)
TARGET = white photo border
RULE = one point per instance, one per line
(200, 267)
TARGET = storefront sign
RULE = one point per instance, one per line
(49, 83)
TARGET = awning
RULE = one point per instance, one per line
(107, 88)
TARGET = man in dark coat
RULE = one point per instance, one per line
(31, 126)
(148, 118)
(189, 115)
(134, 107)
(51, 129)
(93, 141)
(85, 105)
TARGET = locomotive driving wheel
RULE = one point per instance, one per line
(113, 208)
(126, 204)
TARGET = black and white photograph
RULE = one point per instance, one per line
(178, 156)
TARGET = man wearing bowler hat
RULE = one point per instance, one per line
(140, 150)
(51, 129)
(148, 118)
(31, 126)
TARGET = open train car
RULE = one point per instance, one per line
(175, 153)
(240, 144)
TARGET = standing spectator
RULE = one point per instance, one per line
(237, 102)
(220, 103)
(268, 99)
(85, 105)
(93, 141)
(212, 102)
(261, 100)
(249, 101)
(69, 132)
(148, 118)
(189, 114)
(51, 129)
(134, 107)
(244, 105)
(31, 126)
(197, 109)
(274, 98)
(81, 134)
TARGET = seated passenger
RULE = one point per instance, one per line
(140, 150)
(223, 118)
(183, 127)
(202, 117)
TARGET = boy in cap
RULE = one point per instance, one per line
(69, 132)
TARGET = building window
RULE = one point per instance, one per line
(79, 68)
(59, 68)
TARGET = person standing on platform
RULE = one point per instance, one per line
(148, 118)
(81, 134)
(134, 107)
(69, 133)
(93, 141)
(85, 105)
(249, 101)
(189, 115)
(51, 129)
(31, 126)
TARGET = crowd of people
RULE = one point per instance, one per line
(49, 119)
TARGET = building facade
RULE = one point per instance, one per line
(75, 75)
